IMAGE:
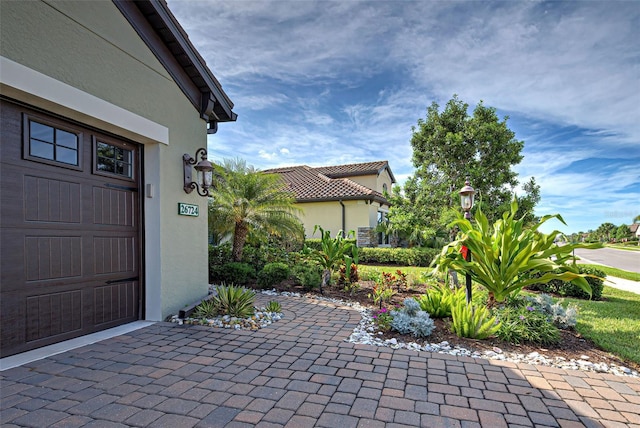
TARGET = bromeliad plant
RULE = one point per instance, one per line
(503, 254)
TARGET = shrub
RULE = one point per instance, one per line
(309, 276)
(472, 321)
(526, 324)
(234, 301)
(411, 307)
(233, 273)
(398, 256)
(273, 307)
(353, 274)
(273, 273)
(571, 290)
(439, 299)
(568, 289)
(219, 254)
(261, 253)
(561, 317)
(412, 320)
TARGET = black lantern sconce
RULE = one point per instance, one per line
(204, 173)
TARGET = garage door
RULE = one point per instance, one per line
(69, 230)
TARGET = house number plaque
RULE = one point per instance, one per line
(188, 209)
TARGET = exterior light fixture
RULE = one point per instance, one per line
(204, 173)
(466, 202)
(466, 199)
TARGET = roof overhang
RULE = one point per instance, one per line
(371, 198)
(163, 34)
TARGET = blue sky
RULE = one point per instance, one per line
(327, 83)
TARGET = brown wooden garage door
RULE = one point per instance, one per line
(69, 230)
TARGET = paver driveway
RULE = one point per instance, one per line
(299, 372)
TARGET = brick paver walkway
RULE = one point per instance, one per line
(299, 372)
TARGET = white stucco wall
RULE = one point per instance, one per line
(84, 61)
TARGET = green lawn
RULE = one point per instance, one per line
(634, 247)
(618, 273)
(613, 323)
(414, 273)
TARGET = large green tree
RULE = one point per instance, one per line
(606, 231)
(450, 146)
(246, 200)
(623, 232)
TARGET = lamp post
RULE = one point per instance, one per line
(466, 201)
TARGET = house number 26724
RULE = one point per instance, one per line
(188, 209)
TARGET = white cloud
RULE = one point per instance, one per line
(572, 64)
(567, 71)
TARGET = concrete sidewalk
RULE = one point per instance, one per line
(612, 281)
(299, 372)
(623, 284)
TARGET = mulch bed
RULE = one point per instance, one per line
(571, 346)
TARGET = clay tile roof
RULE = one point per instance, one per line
(350, 170)
(330, 183)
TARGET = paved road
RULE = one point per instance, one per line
(621, 259)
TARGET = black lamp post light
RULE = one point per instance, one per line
(466, 201)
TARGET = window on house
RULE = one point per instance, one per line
(51, 143)
(113, 159)
(384, 188)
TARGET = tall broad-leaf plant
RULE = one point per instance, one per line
(332, 253)
(505, 253)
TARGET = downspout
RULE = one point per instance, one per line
(344, 223)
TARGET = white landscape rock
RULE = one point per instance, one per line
(363, 334)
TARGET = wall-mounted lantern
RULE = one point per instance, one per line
(204, 173)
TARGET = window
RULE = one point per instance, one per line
(384, 188)
(114, 159)
(51, 143)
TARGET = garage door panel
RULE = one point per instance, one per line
(115, 254)
(114, 207)
(114, 302)
(53, 314)
(53, 257)
(51, 200)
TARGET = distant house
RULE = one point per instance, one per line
(635, 230)
(342, 197)
(99, 102)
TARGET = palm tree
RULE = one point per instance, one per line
(247, 200)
